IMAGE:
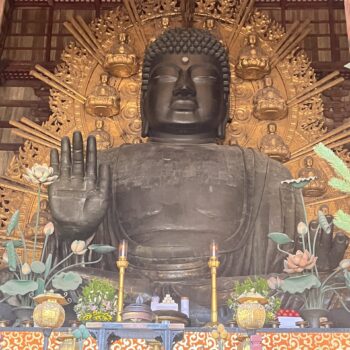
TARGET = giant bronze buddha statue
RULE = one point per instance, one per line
(171, 196)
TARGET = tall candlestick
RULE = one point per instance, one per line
(122, 264)
(213, 264)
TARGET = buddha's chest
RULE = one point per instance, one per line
(174, 182)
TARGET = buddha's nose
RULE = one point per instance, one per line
(184, 86)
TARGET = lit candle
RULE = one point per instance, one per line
(123, 249)
(214, 249)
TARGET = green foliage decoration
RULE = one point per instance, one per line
(98, 302)
(259, 285)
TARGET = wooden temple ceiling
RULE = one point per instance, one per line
(32, 32)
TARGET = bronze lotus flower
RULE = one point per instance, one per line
(299, 262)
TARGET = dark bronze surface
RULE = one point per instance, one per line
(173, 195)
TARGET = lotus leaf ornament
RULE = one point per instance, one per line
(299, 182)
(40, 174)
(299, 262)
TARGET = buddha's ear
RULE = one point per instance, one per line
(221, 130)
(145, 128)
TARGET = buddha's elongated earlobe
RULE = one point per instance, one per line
(145, 128)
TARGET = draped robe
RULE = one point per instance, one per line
(171, 200)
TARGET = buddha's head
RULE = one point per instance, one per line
(325, 209)
(185, 87)
(308, 162)
(271, 128)
(104, 78)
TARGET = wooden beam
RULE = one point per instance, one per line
(10, 146)
(4, 124)
(22, 103)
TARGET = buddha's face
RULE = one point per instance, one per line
(271, 128)
(185, 96)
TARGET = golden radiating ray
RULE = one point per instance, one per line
(328, 200)
(80, 39)
(329, 143)
(290, 48)
(136, 21)
(314, 86)
(247, 11)
(85, 27)
(57, 84)
(86, 38)
(34, 138)
(316, 91)
(30, 123)
(35, 133)
(294, 36)
(337, 134)
(238, 20)
(288, 34)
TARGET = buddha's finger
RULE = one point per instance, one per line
(91, 162)
(326, 240)
(340, 244)
(65, 167)
(78, 156)
(54, 161)
(104, 179)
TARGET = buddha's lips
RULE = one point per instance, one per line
(183, 104)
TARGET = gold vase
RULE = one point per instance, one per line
(251, 312)
(250, 315)
(49, 312)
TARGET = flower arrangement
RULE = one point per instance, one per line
(31, 276)
(258, 285)
(302, 275)
(98, 302)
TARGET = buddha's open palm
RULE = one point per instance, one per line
(78, 198)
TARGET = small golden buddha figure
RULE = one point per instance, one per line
(103, 138)
(253, 63)
(44, 218)
(317, 187)
(121, 61)
(165, 23)
(273, 145)
(104, 102)
(268, 103)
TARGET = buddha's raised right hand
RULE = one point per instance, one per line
(78, 198)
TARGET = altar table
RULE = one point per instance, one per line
(193, 338)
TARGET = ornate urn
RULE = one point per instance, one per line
(268, 104)
(251, 312)
(252, 63)
(121, 61)
(49, 312)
